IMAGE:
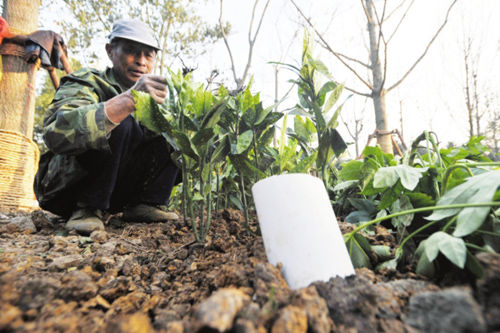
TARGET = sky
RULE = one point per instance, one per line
(431, 98)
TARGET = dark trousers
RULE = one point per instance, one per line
(138, 170)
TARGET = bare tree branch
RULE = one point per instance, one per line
(350, 58)
(226, 42)
(251, 41)
(426, 49)
(327, 46)
(400, 21)
(357, 92)
(395, 9)
(368, 17)
(381, 36)
(380, 21)
(164, 43)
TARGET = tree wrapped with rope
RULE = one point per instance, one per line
(22, 53)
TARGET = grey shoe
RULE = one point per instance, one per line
(147, 213)
(85, 220)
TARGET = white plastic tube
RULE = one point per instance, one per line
(300, 230)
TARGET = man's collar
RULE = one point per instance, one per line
(109, 74)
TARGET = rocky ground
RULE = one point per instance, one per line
(156, 278)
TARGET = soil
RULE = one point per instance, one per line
(137, 277)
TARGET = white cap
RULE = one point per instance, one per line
(134, 30)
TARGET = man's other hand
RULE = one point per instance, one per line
(155, 85)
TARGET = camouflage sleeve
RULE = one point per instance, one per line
(75, 121)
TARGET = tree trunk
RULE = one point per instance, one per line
(19, 155)
(17, 90)
(378, 92)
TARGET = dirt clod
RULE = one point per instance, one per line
(136, 277)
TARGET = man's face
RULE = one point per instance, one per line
(130, 60)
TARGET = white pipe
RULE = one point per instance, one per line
(300, 230)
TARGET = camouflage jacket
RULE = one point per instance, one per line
(74, 123)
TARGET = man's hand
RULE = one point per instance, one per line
(120, 106)
(155, 85)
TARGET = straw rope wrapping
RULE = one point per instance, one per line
(19, 157)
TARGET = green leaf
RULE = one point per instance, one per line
(381, 213)
(455, 250)
(385, 177)
(358, 216)
(305, 164)
(390, 195)
(205, 171)
(320, 66)
(333, 98)
(266, 137)
(202, 137)
(270, 119)
(262, 114)
(375, 156)
(318, 117)
(148, 113)
(221, 151)
(356, 246)
(409, 176)
(473, 265)
(402, 204)
(345, 185)
(330, 143)
(300, 129)
(388, 176)
(236, 201)
(480, 188)
(249, 117)
(451, 247)
(211, 118)
(328, 86)
(383, 252)
(363, 204)
(197, 197)
(245, 167)
(431, 248)
(185, 145)
(351, 170)
(336, 141)
(244, 141)
(425, 266)
(420, 199)
(389, 264)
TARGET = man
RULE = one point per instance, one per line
(100, 158)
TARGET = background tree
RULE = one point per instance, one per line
(472, 99)
(181, 32)
(18, 155)
(492, 132)
(252, 37)
(379, 39)
(481, 100)
(355, 129)
(16, 87)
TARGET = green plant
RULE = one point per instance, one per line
(315, 102)
(287, 158)
(188, 120)
(249, 128)
(218, 142)
(458, 185)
